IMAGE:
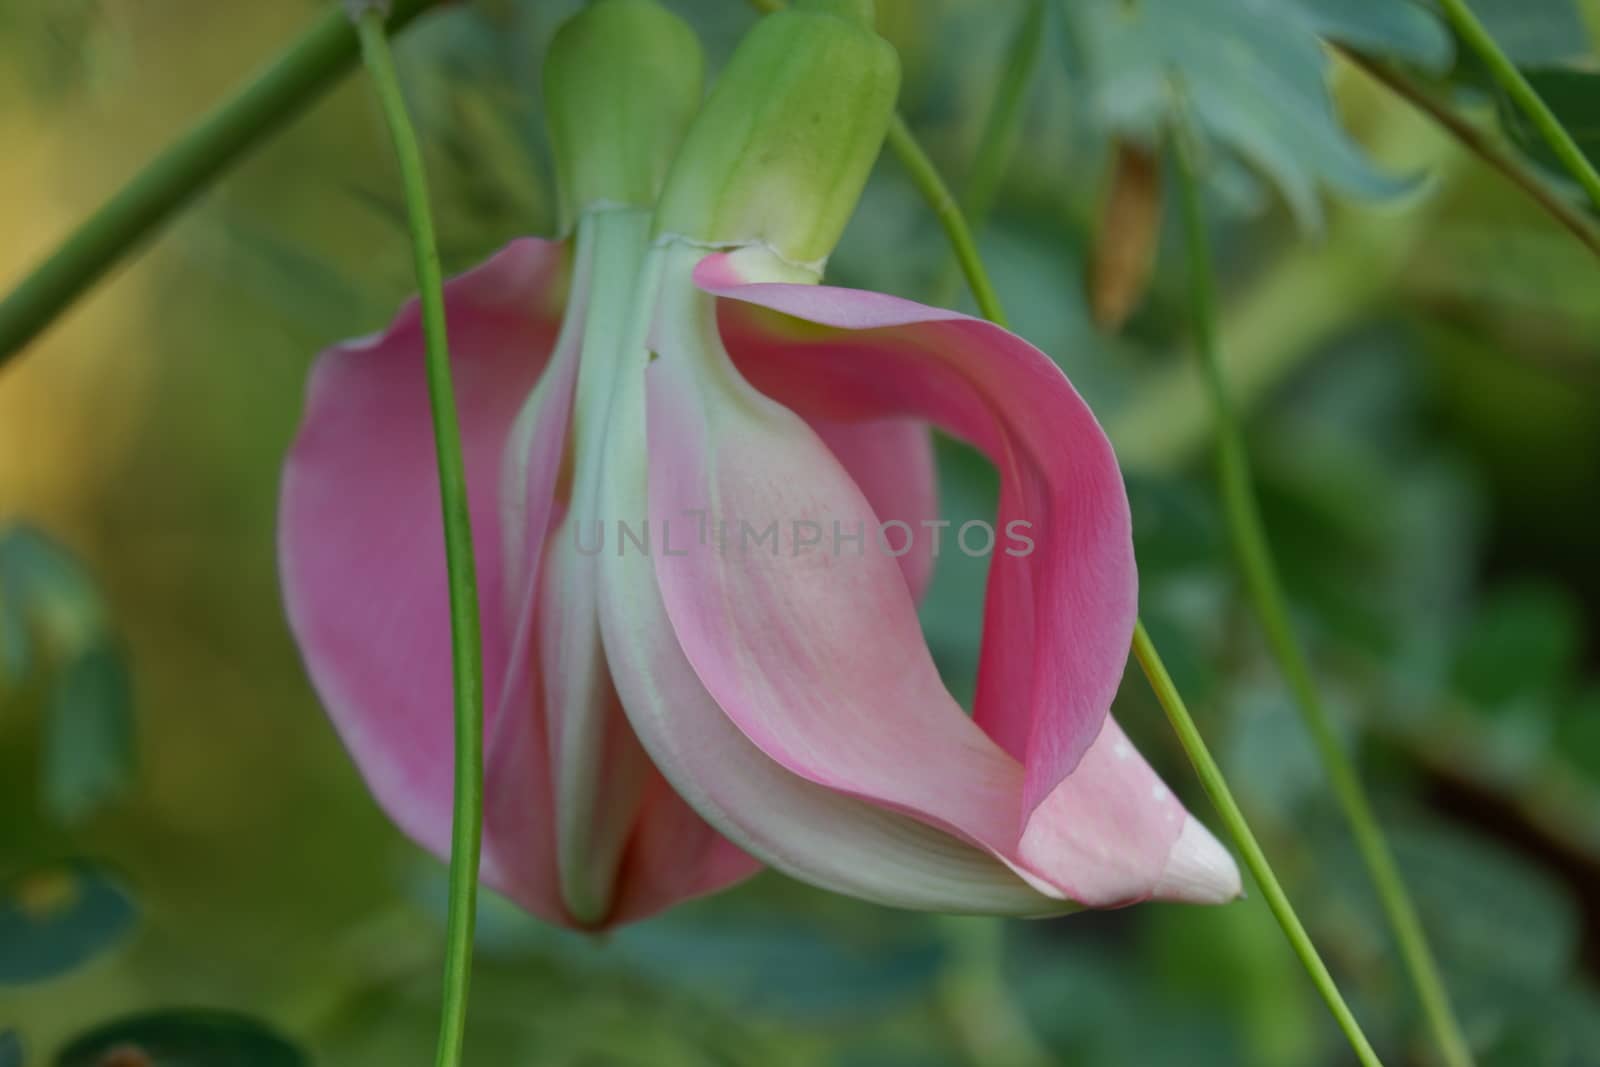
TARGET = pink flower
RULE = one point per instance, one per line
(593, 838)
(787, 691)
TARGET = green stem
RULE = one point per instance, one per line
(1480, 144)
(466, 645)
(1005, 116)
(1266, 594)
(1216, 787)
(925, 176)
(1523, 94)
(287, 85)
(927, 180)
(999, 138)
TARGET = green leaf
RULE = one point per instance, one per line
(1253, 75)
(1574, 96)
(1490, 912)
(1535, 32)
(88, 748)
(10, 1049)
(57, 918)
(1394, 28)
(51, 589)
(183, 1039)
(1520, 647)
(54, 622)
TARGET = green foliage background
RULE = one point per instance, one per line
(1420, 369)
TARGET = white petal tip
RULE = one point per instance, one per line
(1199, 870)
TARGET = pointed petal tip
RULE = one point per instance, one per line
(1199, 869)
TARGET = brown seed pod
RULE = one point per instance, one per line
(1125, 242)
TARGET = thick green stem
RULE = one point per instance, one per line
(466, 645)
(1216, 787)
(1266, 594)
(1522, 93)
(287, 85)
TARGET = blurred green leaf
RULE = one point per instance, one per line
(1254, 77)
(1577, 738)
(952, 608)
(183, 1038)
(10, 1049)
(54, 919)
(54, 594)
(1090, 1005)
(1574, 96)
(45, 593)
(1520, 646)
(1535, 32)
(1490, 912)
(88, 747)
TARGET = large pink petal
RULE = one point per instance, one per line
(808, 641)
(1058, 621)
(362, 558)
(891, 461)
(806, 830)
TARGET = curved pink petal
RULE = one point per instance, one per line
(1059, 619)
(806, 830)
(891, 461)
(798, 625)
(362, 559)
(1097, 822)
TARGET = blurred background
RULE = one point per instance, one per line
(1418, 354)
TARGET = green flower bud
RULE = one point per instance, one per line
(782, 148)
(622, 81)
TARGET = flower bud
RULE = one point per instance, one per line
(780, 152)
(622, 81)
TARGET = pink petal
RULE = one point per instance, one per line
(808, 831)
(812, 649)
(1059, 621)
(891, 461)
(1122, 835)
(362, 558)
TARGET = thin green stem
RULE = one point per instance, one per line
(1512, 167)
(1216, 787)
(1000, 128)
(1267, 596)
(927, 180)
(282, 89)
(466, 645)
(1523, 94)
(999, 138)
(925, 176)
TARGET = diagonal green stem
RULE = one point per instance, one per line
(1000, 128)
(1216, 787)
(1523, 94)
(933, 189)
(466, 645)
(925, 176)
(1266, 593)
(1512, 167)
(286, 86)
(999, 139)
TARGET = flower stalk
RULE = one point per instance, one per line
(466, 640)
(1271, 605)
(928, 181)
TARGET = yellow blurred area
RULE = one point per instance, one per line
(144, 431)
